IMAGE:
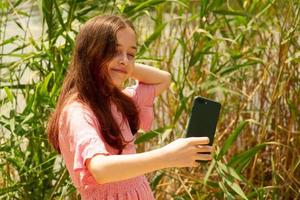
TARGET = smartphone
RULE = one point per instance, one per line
(203, 118)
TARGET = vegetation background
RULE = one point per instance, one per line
(242, 53)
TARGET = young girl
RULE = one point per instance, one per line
(96, 118)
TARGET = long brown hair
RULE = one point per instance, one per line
(87, 76)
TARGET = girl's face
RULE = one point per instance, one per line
(121, 65)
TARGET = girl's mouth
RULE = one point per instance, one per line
(120, 70)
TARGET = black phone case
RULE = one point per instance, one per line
(203, 119)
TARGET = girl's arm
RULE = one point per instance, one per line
(106, 169)
(182, 152)
(150, 75)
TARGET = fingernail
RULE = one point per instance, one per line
(207, 139)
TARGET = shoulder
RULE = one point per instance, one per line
(141, 93)
(76, 111)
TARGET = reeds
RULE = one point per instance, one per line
(244, 54)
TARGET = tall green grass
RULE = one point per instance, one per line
(244, 54)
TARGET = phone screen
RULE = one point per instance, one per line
(203, 119)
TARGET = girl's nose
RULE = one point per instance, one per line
(123, 59)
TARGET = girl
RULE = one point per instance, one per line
(94, 123)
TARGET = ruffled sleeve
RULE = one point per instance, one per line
(83, 135)
(143, 95)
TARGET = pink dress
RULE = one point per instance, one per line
(80, 139)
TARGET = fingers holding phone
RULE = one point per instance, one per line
(184, 152)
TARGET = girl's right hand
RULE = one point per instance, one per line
(183, 152)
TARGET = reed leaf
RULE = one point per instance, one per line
(149, 135)
(231, 139)
(240, 161)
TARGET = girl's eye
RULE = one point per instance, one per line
(131, 55)
(119, 52)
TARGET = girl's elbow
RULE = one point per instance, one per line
(168, 79)
(97, 176)
(100, 181)
(96, 170)
(164, 85)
